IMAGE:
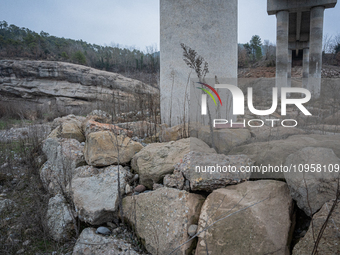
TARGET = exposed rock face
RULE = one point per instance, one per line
(312, 189)
(260, 229)
(162, 218)
(276, 152)
(63, 156)
(210, 171)
(224, 139)
(64, 84)
(95, 196)
(104, 148)
(156, 160)
(329, 243)
(59, 219)
(91, 243)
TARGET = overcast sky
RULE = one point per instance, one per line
(130, 22)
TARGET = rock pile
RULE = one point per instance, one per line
(180, 196)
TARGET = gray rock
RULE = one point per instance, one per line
(59, 219)
(192, 230)
(135, 177)
(329, 243)
(63, 156)
(95, 195)
(261, 229)
(91, 243)
(276, 152)
(312, 189)
(128, 189)
(162, 218)
(103, 231)
(156, 160)
(195, 165)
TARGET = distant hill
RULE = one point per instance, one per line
(16, 42)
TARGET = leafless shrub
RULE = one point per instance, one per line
(24, 158)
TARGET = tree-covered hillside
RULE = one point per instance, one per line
(16, 42)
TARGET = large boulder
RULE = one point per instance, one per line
(162, 217)
(59, 218)
(210, 171)
(224, 139)
(312, 189)
(104, 148)
(329, 242)
(95, 192)
(63, 156)
(156, 160)
(274, 153)
(91, 243)
(263, 228)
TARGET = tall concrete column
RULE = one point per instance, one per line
(282, 18)
(315, 50)
(289, 69)
(208, 27)
(305, 67)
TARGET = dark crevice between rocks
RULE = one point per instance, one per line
(131, 228)
(300, 226)
(192, 249)
(203, 193)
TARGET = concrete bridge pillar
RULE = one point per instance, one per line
(305, 68)
(300, 26)
(282, 49)
(289, 69)
(315, 49)
(210, 28)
